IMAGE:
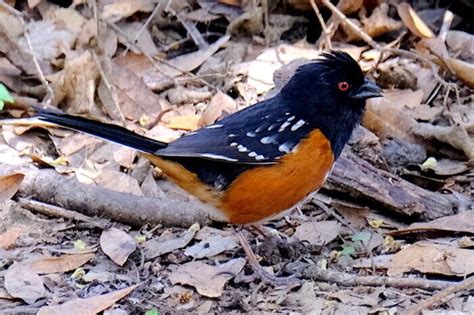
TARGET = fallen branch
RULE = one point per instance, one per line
(357, 178)
(50, 187)
(466, 285)
(349, 280)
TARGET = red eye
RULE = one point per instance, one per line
(343, 86)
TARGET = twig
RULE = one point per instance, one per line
(349, 280)
(350, 24)
(447, 20)
(466, 285)
(324, 29)
(59, 212)
(155, 65)
(147, 22)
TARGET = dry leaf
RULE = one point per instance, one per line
(118, 181)
(51, 264)
(23, 283)
(318, 233)
(144, 43)
(169, 242)
(9, 237)
(211, 246)
(185, 122)
(67, 18)
(118, 10)
(463, 70)
(156, 78)
(459, 223)
(433, 259)
(461, 44)
(9, 185)
(208, 280)
(89, 306)
(117, 244)
(412, 21)
(47, 40)
(220, 106)
(387, 119)
(379, 22)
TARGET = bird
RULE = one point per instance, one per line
(266, 158)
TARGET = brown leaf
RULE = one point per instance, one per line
(211, 246)
(220, 106)
(433, 259)
(379, 22)
(117, 244)
(459, 223)
(23, 283)
(412, 21)
(120, 9)
(463, 70)
(461, 44)
(118, 181)
(9, 185)
(144, 43)
(154, 78)
(185, 122)
(169, 242)
(318, 233)
(51, 264)
(208, 280)
(9, 237)
(92, 305)
(387, 119)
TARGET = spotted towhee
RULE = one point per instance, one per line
(266, 158)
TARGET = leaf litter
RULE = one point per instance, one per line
(179, 71)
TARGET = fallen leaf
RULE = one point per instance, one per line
(9, 185)
(92, 305)
(143, 44)
(387, 119)
(118, 181)
(47, 40)
(207, 279)
(459, 223)
(461, 44)
(379, 22)
(118, 10)
(212, 246)
(185, 122)
(220, 106)
(454, 135)
(51, 264)
(432, 259)
(155, 78)
(23, 283)
(9, 237)
(318, 233)
(446, 167)
(117, 244)
(169, 242)
(464, 70)
(412, 21)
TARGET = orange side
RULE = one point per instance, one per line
(267, 190)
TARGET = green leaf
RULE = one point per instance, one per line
(347, 250)
(153, 311)
(361, 236)
(5, 96)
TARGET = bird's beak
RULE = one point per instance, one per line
(368, 90)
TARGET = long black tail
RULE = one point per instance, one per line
(101, 130)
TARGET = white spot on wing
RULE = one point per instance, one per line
(234, 144)
(214, 126)
(267, 140)
(253, 154)
(217, 157)
(231, 135)
(241, 148)
(283, 126)
(291, 118)
(260, 157)
(250, 134)
(284, 148)
(298, 124)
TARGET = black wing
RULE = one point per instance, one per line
(259, 134)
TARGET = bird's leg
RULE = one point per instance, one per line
(258, 269)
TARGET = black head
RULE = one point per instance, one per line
(330, 93)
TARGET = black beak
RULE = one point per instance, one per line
(368, 90)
